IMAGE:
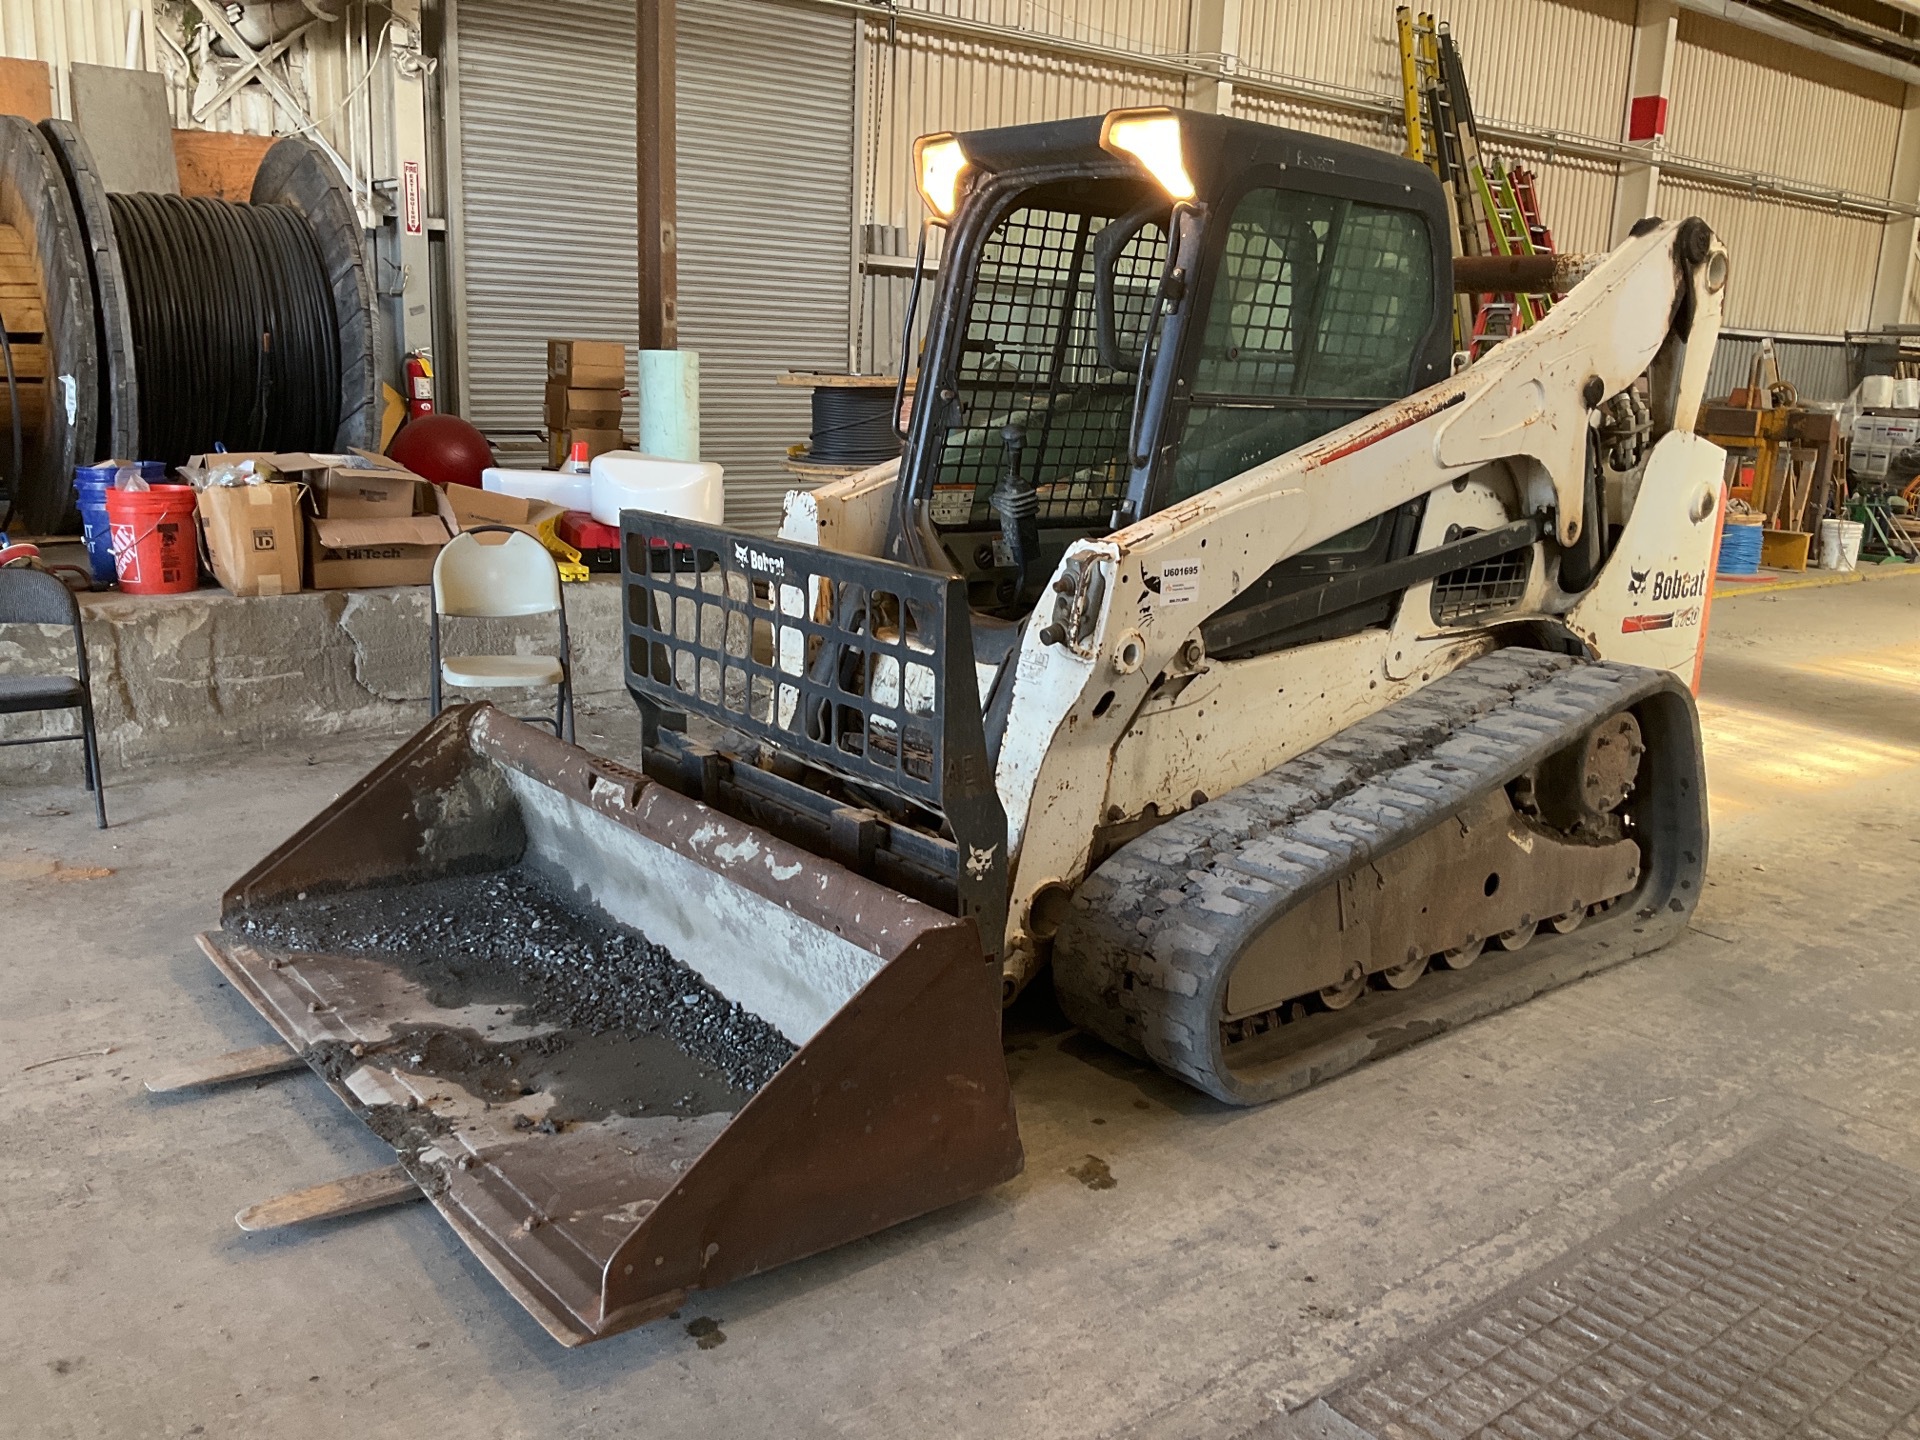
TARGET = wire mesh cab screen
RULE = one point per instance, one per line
(1029, 356)
(860, 665)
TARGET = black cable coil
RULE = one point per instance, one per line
(852, 425)
(235, 337)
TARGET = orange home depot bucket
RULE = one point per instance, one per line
(155, 550)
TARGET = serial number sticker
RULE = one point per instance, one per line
(1180, 582)
(952, 504)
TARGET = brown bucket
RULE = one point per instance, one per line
(785, 1057)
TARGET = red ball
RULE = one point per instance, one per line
(442, 448)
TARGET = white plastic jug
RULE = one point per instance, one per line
(556, 487)
(628, 480)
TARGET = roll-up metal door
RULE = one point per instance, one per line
(548, 202)
(766, 227)
(545, 240)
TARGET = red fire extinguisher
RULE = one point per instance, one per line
(419, 371)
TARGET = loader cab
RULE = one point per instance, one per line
(1132, 309)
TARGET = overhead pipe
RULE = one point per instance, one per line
(1737, 12)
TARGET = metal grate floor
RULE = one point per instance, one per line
(1777, 1297)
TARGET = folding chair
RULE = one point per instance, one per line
(32, 597)
(511, 578)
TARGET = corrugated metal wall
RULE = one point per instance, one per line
(1516, 53)
(1749, 102)
(766, 100)
(915, 82)
(61, 32)
(1744, 101)
(548, 204)
(547, 198)
(1352, 44)
(94, 32)
(1794, 267)
(1817, 371)
(1740, 100)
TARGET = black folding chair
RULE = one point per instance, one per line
(32, 597)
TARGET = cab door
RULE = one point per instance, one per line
(1321, 306)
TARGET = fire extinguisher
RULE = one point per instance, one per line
(419, 370)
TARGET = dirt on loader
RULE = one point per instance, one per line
(625, 1028)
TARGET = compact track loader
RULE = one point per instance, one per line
(1291, 691)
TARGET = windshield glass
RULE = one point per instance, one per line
(1030, 357)
(1320, 309)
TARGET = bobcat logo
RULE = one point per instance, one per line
(1637, 581)
(980, 862)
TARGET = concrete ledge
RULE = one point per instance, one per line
(197, 676)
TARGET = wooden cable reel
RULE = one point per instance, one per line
(69, 318)
(46, 299)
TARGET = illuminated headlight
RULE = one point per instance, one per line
(938, 163)
(1152, 137)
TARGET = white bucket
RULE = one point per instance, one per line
(1876, 392)
(628, 480)
(1840, 544)
(556, 487)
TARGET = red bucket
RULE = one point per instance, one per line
(155, 550)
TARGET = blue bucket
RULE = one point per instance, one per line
(90, 486)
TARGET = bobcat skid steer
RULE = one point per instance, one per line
(1290, 692)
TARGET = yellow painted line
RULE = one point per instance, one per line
(1734, 589)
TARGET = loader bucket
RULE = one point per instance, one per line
(627, 1045)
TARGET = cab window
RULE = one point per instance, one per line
(1318, 315)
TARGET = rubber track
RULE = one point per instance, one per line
(1144, 956)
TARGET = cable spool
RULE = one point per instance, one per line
(233, 326)
(198, 323)
(48, 359)
(852, 421)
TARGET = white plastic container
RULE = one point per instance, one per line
(1840, 544)
(1906, 394)
(556, 487)
(628, 480)
(1877, 392)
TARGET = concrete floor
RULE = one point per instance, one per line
(1241, 1263)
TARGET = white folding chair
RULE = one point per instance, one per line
(513, 577)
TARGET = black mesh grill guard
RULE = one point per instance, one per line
(861, 667)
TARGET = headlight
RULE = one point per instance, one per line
(938, 163)
(1151, 137)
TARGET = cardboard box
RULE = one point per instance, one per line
(253, 535)
(361, 553)
(598, 442)
(349, 494)
(571, 408)
(356, 486)
(463, 507)
(588, 364)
